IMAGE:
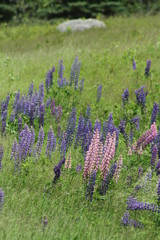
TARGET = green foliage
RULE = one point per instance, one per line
(49, 9)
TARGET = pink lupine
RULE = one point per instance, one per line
(93, 155)
(87, 161)
(118, 169)
(68, 162)
(94, 163)
(145, 139)
(109, 151)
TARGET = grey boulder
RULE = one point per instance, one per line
(80, 25)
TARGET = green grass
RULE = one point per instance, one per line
(26, 53)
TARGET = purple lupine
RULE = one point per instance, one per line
(131, 136)
(30, 91)
(81, 85)
(109, 127)
(3, 119)
(141, 96)
(17, 97)
(75, 71)
(134, 65)
(48, 102)
(24, 143)
(133, 204)
(12, 117)
(60, 74)
(122, 127)
(1, 199)
(63, 146)
(135, 122)
(147, 69)
(129, 222)
(32, 139)
(158, 192)
(154, 113)
(53, 107)
(79, 168)
(15, 154)
(125, 219)
(39, 144)
(87, 136)
(158, 143)
(97, 126)
(1, 155)
(19, 124)
(51, 143)
(154, 155)
(107, 178)
(99, 92)
(49, 80)
(70, 128)
(31, 115)
(58, 113)
(158, 168)
(41, 116)
(90, 186)
(79, 132)
(41, 93)
(57, 170)
(125, 96)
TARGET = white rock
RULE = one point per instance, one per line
(80, 25)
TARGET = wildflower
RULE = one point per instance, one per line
(154, 113)
(107, 179)
(75, 71)
(90, 186)
(51, 143)
(125, 96)
(99, 92)
(68, 162)
(141, 96)
(154, 155)
(1, 155)
(79, 132)
(31, 115)
(135, 121)
(147, 69)
(41, 116)
(48, 102)
(158, 192)
(145, 139)
(134, 65)
(58, 113)
(109, 151)
(57, 170)
(79, 168)
(39, 144)
(1, 198)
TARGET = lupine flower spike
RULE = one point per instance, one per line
(68, 162)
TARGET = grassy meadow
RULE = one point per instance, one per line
(106, 55)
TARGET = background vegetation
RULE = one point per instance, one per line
(20, 10)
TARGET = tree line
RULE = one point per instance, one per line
(51, 9)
